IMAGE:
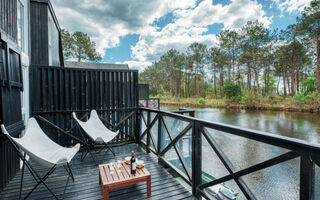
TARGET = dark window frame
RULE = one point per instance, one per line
(15, 69)
(3, 63)
(11, 71)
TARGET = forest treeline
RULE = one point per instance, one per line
(252, 58)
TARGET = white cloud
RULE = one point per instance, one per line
(233, 15)
(136, 64)
(291, 5)
(191, 24)
(108, 20)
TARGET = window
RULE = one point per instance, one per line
(20, 23)
(15, 69)
(3, 62)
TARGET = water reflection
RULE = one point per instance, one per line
(305, 126)
(278, 182)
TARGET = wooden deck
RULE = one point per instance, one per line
(86, 184)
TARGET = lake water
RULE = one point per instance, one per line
(277, 182)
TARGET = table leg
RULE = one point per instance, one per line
(105, 194)
(99, 178)
(149, 186)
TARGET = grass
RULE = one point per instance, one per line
(278, 103)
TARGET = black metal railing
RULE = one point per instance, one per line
(165, 133)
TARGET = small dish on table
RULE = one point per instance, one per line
(139, 163)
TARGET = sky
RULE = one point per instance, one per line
(138, 32)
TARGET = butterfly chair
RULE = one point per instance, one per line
(96, 131)
(40, 148)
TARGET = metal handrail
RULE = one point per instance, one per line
(309, 153)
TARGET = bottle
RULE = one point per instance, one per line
(133, 163)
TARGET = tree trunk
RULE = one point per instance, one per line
(79, 55)
(318, 62)
(214, 84)
(176, 89)
(233, 57)
(242, 83)
(238, 73)
(158, 88)
(187, 87)
(173, 84)
(249, 77)
(268, 78)
(196, 80)
(256, 73)
(229, 73)
(265, 83)
(297, 81)
(179, 81)
(286, 75)
(221, 81)
(284, 82)
(292, 69)
(256, 76)
(278, 84)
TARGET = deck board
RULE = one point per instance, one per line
(86, 185)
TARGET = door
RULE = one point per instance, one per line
(10, 110)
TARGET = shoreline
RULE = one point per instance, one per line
(242, 107)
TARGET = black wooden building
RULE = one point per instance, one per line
(29, 36)
(45, 37)
(11, 85)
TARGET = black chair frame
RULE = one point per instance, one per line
(35, 174)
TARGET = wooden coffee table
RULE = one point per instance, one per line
(123, 178)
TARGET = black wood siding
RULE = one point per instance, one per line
(56, 92)
(10, 111)
(39, 28)
(8, 18)
(39, 33)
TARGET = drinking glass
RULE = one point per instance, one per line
(111, 169)
(119, 164)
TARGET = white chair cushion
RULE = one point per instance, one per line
(95, 129)
(41, 148)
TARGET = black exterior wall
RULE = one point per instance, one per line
(8, 20)
(44, 29)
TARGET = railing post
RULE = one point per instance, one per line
(306, 174)
(137, 126)
(159, 134)
(192, 113)
(196, 158)
(148, 133)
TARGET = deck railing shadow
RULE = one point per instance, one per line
(167, 133)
